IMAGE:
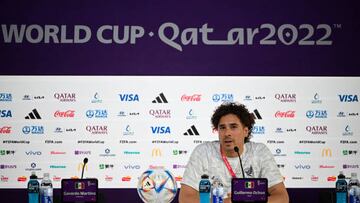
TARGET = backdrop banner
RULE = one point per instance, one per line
(180, 38)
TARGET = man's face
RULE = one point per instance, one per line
(231, 132)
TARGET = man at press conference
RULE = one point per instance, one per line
(234, 124)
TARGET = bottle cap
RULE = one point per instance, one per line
(204, 176)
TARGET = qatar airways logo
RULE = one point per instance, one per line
(65, 97)
(285, 114)
(317, 130)
(191, 98)
(160, 113)
(286, 97)
(97, 129)
(5, 130)
(64, 114)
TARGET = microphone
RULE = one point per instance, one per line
(82, 172)
(236, 149)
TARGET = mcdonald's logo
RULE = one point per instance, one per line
(326, 152)
(80, 166)
(156, 152)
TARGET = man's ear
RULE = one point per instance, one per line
(246, 131)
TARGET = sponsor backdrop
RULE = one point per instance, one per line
(168, 38)
(50, 123)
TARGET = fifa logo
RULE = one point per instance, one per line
(326, 152)
(156, 152)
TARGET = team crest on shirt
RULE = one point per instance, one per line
(249, 171)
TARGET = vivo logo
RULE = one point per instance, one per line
(131, 167)
(300, 166)
(35, 153)
(160, 130)
(129, 97)
(348, 98)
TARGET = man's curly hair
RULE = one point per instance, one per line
(246, 118)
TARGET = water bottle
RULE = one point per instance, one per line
(33, 189)
(217, 191)
(204, 189)
(46, 189)
(354, 189)
(341, 189)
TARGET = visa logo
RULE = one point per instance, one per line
(300, 166)
(160, 130)
(348, 98)
(38, 153)
(5, 113)
(129, 97)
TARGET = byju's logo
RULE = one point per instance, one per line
(348, 98)
(160, 129)
(5, 114)
(5, 97)
(223, 97)
(316, 114)
(97, 113)
(160, 99)
(34, 114)
(129, 97)
(192, 131)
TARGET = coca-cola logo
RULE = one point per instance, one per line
(64, 114)
(285, 114)
(194, 97)
(5, 130)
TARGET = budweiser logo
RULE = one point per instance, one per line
(195, 97)
(65, 114)
(285, 114)
(5, 130)
(57, 153)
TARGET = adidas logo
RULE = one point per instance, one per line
(34, 114)
(160, 99)
(256, 114)
(192, 131)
